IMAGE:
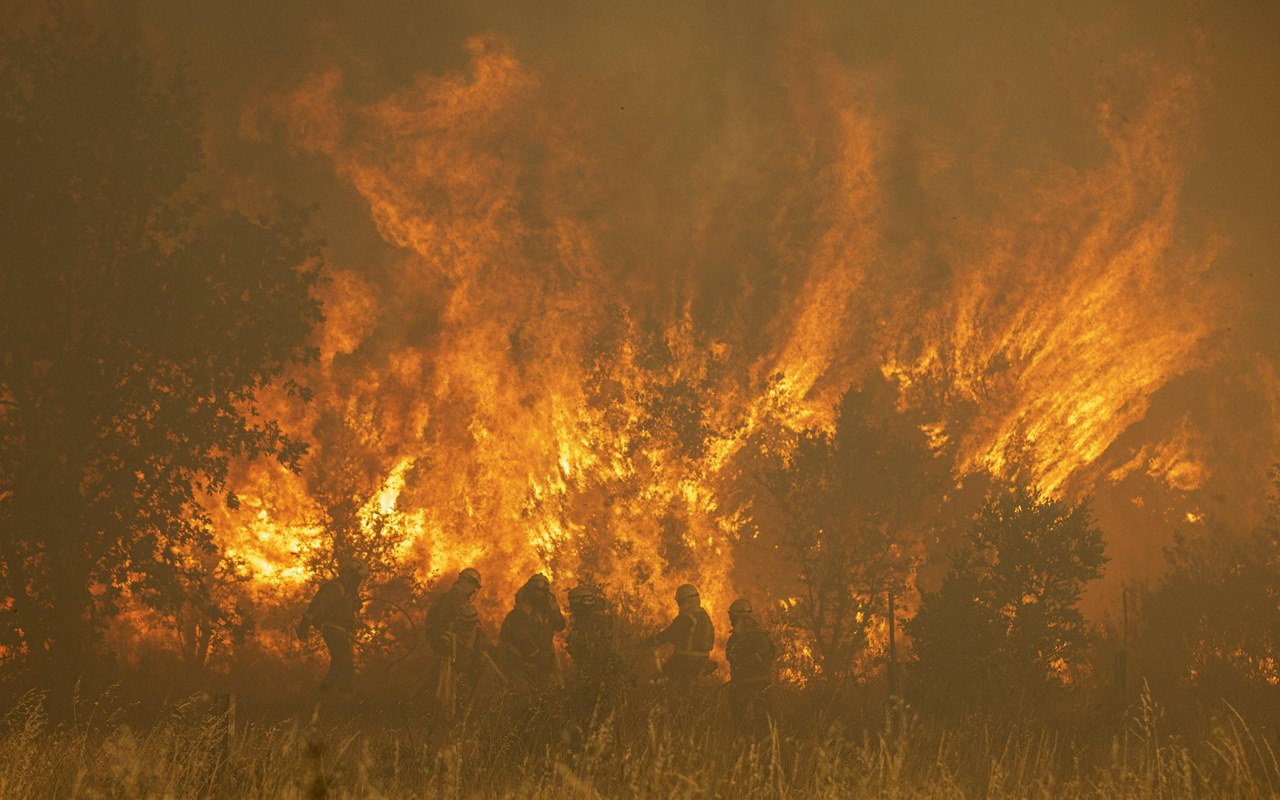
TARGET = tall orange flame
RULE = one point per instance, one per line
(518, 402)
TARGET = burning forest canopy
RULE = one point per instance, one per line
(591, 280)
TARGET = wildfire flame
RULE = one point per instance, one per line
(520, 403)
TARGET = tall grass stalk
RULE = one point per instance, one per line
(636, 751)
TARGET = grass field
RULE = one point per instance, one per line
(644, 749)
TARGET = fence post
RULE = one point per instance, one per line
(225, 709)
(1122, 655)
(895, 677)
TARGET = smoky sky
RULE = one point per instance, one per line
(1005, 78)
(677, 96)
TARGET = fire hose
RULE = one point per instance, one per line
(413, 628)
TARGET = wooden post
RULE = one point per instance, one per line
(895, 680)
(1122, 655)
(224, 707)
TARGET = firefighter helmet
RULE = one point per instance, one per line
(686, 591)
(354, 568)
(585, 595)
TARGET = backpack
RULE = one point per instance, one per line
(704, 633)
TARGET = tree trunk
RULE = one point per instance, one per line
(73, 634)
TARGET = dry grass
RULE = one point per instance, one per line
(640, 751)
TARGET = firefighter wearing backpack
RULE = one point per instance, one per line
(459, 644)
(691, 635)
(593, 646)
(335, 612)
(750, 652)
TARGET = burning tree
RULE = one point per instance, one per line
(343, 480)
(848, 506)
(136, 326)
(1004, 626)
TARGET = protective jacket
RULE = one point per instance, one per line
(526, 643)
(334, 610)
(750, 652)
(692, 635)
(446, 618)
(591, 641)
(334, 606)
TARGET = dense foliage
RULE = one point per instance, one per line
(1005, 627)
(847, 511)
(137, 324)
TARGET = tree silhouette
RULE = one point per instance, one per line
(848, 507)
(1004, 627)
(1210, 628)
(137, 326)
